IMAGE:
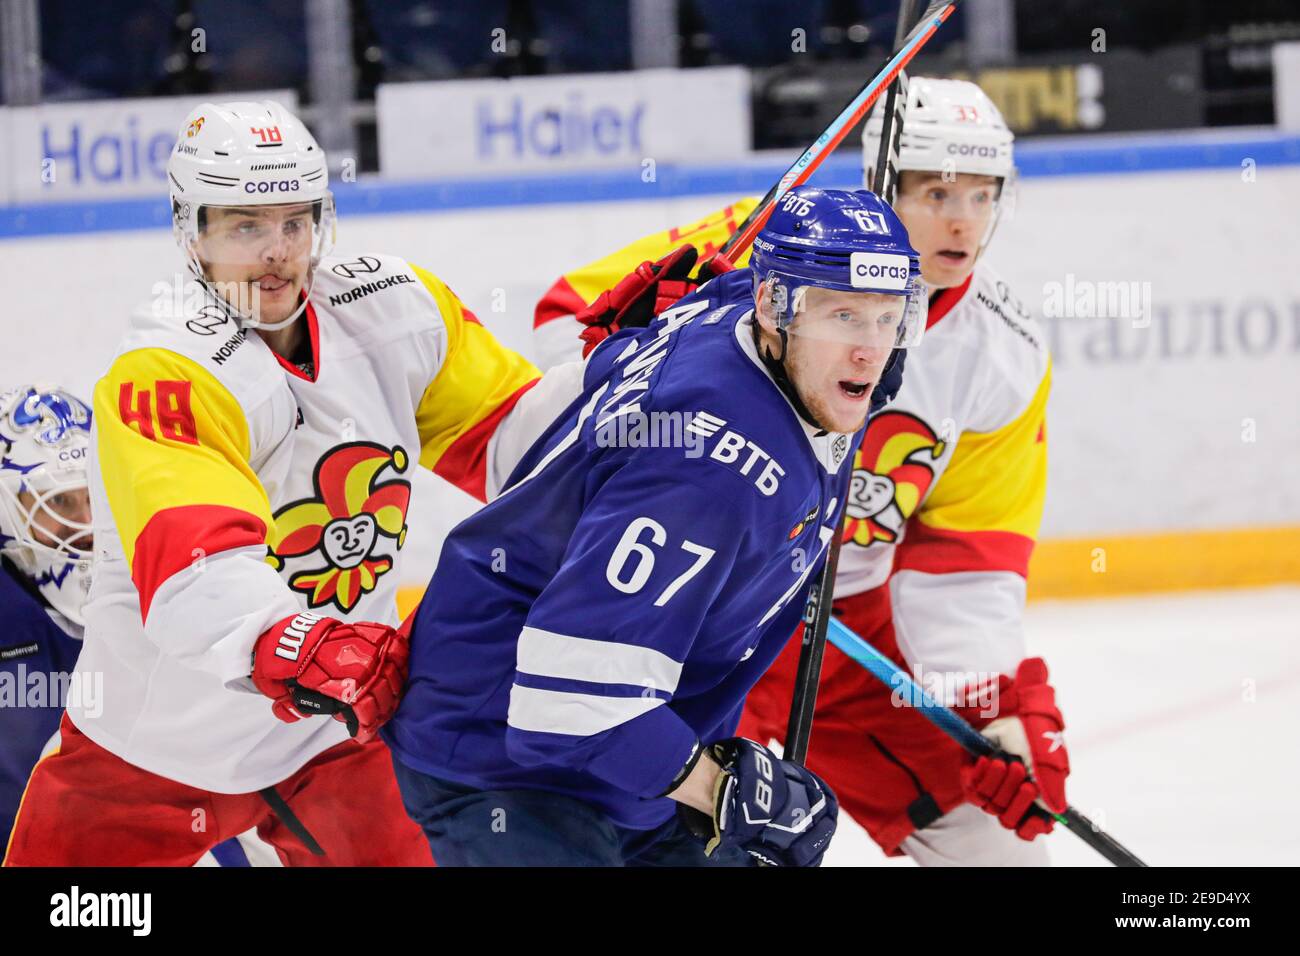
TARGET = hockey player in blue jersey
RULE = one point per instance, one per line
(45, 551)
(582, 654)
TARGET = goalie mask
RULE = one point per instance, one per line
(45, 524)
(251, 208)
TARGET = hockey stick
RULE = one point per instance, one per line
(885, 183)
(290, 820)
(836, 130)
(817, 614)
(970, 739)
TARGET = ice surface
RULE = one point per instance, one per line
(1180, 713)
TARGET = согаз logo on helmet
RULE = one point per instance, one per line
(880, 270)
(967, 149)
(279, 186)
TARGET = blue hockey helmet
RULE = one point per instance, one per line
(846, 240)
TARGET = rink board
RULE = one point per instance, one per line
(1173, 436)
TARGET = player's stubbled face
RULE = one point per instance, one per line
(946, 221)
(838, 346)
(258, 256)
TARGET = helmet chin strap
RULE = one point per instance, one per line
(776, 368)
(196, 269)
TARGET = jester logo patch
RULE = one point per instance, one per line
(345, 523)
(892, 472)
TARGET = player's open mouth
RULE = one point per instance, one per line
(954, 256)
(854, 389)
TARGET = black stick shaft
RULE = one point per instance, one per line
(290, 820)
(885, 183)
(1097, 838)
(829, 138)
(798, 731)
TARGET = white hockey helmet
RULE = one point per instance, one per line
(247, 154)
(44, 440)
(951, 126)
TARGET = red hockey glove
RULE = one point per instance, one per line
(309, 665)
(1029, 726)
(650, 289)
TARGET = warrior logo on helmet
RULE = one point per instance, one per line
(343, 524)
(892, 471)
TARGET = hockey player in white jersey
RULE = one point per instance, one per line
(251, 451)
(948, 495)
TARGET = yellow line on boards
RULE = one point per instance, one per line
(1171, 561)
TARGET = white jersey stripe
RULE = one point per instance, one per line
(578, 715)
(547, 654)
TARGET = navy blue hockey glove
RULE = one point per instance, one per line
(778, 812)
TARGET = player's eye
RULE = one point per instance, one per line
(937, 195)
(889, 318)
